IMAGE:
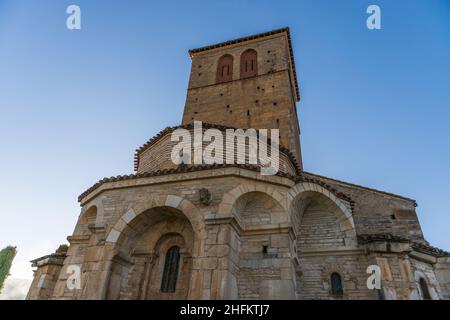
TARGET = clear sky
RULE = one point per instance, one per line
(74, 105)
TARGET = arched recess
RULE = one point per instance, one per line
(139, 242)
(249, 63)
(224, 68)
(302, 195)
(258, 208)
(424, 289)
(321, 222)
(87, 218)
(188, 209)
(227, 206)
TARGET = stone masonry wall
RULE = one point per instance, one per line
(378, 212)
(265, 101)
(158, 156)
(315, 272)
(319, 228)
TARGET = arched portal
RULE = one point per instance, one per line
(140, 268)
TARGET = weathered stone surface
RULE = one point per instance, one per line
(257, 237)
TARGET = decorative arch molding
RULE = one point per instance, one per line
(90, 213)
(230, 197)
(417, 294)
(301, 188)
(191, 212)
(88, 218)
(96, 205)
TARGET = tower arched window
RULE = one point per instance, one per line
(424, 289)
(170, 273)
(336, 284)
(249, 65)
(225, 69)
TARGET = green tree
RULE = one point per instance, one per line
(6, 258)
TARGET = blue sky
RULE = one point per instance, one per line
(74, 105)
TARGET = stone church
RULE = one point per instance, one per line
(225, 231)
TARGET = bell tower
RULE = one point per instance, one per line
(246, 83)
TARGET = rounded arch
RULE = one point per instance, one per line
(224, 68)
(302, 189)
(87, 218)
(249, 63)
(336, 284)
(258, 208)
(131, 216)
(320, 219)
(139, 253)
(230, 197)
(89, 215)
(424, 289)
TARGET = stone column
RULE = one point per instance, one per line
(215, 274)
